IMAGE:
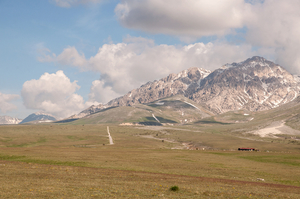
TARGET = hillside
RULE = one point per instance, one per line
(171, 110)
(39, 117)
(255, 84)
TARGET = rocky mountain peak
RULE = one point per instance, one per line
(39, 116)
(254, 84)
(169, 86)
(181, 83)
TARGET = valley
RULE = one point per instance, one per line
(150, 99)
(184, 130)
(77, 160)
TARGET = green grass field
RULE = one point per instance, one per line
(76, 161)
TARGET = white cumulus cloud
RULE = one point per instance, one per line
(5, 102)
(69, 56)
(53, 93)
(267, 25)
(194, 18)
(276, 25)
(127, 65)
(101, 93)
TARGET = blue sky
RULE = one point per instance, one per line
(61, 56)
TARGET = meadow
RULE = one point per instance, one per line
(76, 161)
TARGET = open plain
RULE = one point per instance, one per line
(78, 161)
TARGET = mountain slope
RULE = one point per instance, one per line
(255, 84)
(39, 116)
(172, 85)
(9, 120)
(175, 84)
(166, 111)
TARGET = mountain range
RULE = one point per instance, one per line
(255, 84)
(9, 120)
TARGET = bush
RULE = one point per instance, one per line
(174, 188)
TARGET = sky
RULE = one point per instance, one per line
(62, 56)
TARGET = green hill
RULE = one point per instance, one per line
(172, 110)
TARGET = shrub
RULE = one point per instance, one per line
(174, 188)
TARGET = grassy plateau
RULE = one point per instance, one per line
(181, 161)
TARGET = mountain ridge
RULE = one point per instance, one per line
(255, 84)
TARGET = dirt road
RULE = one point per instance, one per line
(109, 136)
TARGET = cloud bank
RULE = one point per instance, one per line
(194, 18)
(270, 25)
(100, 93)
(53, 93)
(5, 102)
(276, 25)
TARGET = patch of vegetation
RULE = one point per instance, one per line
(223, 154)
(174, 188)
(150, 123)
(164, 120)
(6, 140)
(65, 121)
(286, 160)
(11, 157)
(210, 120)
(39, 161)
(294, 122)
(40, 141)
(74, 137)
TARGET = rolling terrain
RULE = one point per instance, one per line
(167, 111)
(183, 130)
(188, 147)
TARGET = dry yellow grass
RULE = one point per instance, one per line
(70, 161)
(23, 180)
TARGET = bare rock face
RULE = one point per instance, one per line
(169, 86)
(255, 84)
(92, 109)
